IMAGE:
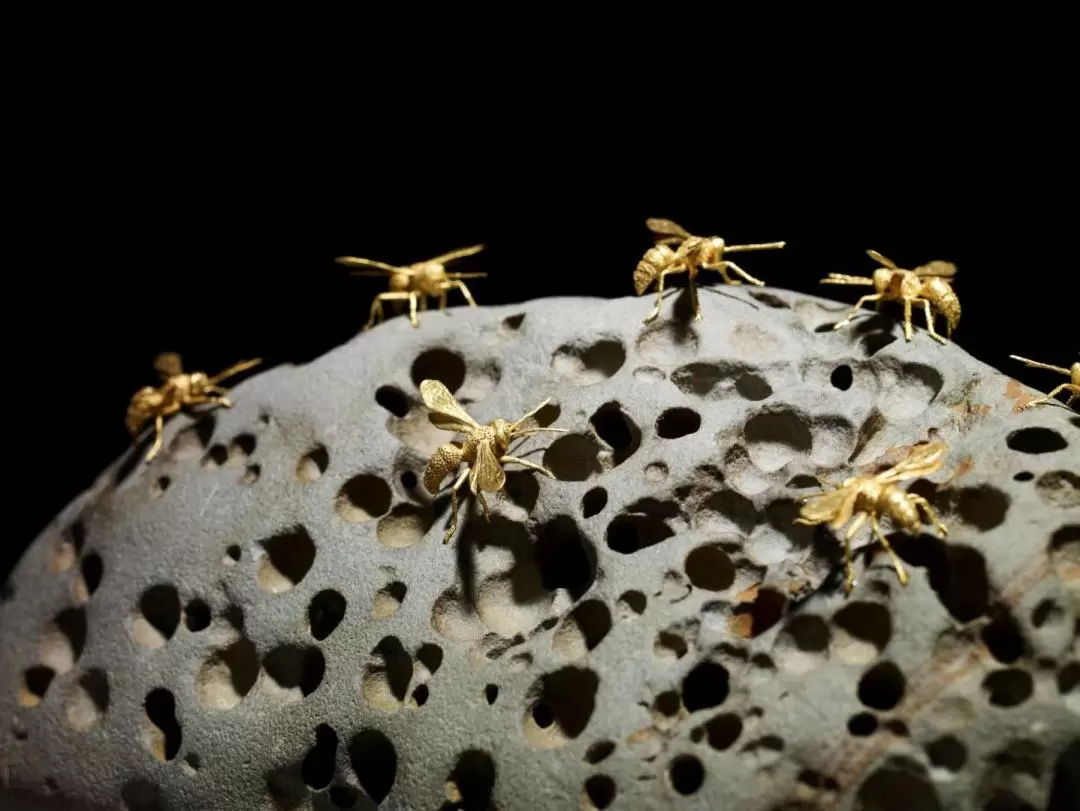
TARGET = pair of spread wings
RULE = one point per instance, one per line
(446, 413)
(168, 364)
(837, 506)
(667, 228)
(937, 268)
(382, 267)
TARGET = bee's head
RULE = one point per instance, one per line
(199, 382)
(504, 432)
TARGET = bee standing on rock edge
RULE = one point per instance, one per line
(927, 285)
(177, 391)
(484, 450)
(1073, 386)
(862, 498)
(692, 255)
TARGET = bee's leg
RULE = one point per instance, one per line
(159, 432)
(460, 285)
(376, 305)
(1075, 392)
(483, 504)
(1053, 393)
(454, 505)
(743, 273)
(412, 310)
(423, 304)
(856, 308)
(849, 566)
(900, 571)
(694, 302)
(528, 464)
(907, 319)
(659, 296)
(932, 517)
(930, 320)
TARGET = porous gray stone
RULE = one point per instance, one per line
(265, 617)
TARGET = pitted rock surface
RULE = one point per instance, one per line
(266, 617)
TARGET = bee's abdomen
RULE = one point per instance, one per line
(654, 260)
(944, 299)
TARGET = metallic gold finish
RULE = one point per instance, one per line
(177, 391)
(1073, 387)
(692, 255)
(414, 283)
(870, 497)
(927, 285)
(483, 450)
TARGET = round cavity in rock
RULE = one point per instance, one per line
(709, 567)
(439, 364)
(491, 693)
(91, 570)
(294, 672)
(513, 603)
(599, 791)
(841, 377)
(386, 680)
(775, 438)
(287, 558)
(897, 786)
(1059, 488)
(947, 753)
(227, 676)
(1010, 687)
(668, 344)
(232, 555)
(35, 684)
(374, 761)
(325, 612)
(573, 458)
(1003, 638)
(908, 391)
(882, 686)
(685, 774)
(405, 525)
(559, 706)
(617, 429)
(192, 763)
(564, 557)
(1036, 440)
(631, 532)
(753, 387)
(319, 765)
(88, 700)
(196, 615)
(454, 619)
(599, 752)
(161, 731)
(862, 724)
(251, 474)
(587, 364)
(593, 502)
(1024, 476)
(751, 619)
(159, 485)
(648, 374)
(388, 600)
(669, 645)
(393, 400)
(313, 464)
(656, 472)
(723, 730)
(677, 422)
(190, 442)
(141, 795)
(582, 630)
(470, 785)
(158, 616)
(864, 629)
(631, 604)
(705, 686)
(363, 498)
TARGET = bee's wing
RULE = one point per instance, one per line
(939, 268)
(922, 461)
(446, 413)
(168, 364)
(379, 267)
(453, 256)
(834, 507)
(487, 473)
(884, 260)
(667, 227)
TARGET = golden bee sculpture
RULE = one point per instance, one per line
(484, 450)
(1073, 386)
(862, 498)
(416, 282)
(691, 255)
(927, 285)
(178, 390)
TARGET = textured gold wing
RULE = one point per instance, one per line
(380, 268)
(884, 260)
(667, 228)
(834, 508)
(446, 412)
(168, 364)
(453, 256)
(939, 267)
(487, 473)
(921, 461)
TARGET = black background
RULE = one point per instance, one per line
(212, 233)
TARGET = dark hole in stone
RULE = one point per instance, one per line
(633, 600)
(1004, 799)
(599, 751)
(606, 356)
(547, 415)
(430, 656)
(762, 661)
(947, 753)
(982, 507)
(779, 427)
(196, 615)
(564, 557)
(474, 776)
(566, 697)
(667, 703)
(95, 684)
(957, 573)
(810, 632)
(1045, 612)
(374, 760)
(286, 787)
(753, 387)
(291, 554)
(216, 456)
(593, 620)
(770, 300)
(522, 488)
(343, 796)
(1059, 488)
(408, 480)
(1068, 678)
(709, 567)
(393, 400)
(1065, 787)
(37, 680)
(233, 552)
(735, 507)
(723, 731)
(321, 761)
(292, 666)
(629, 533)
(898, 728)
(243, 663)
(439, 364)
(420, 694)
(1003, 639)
(862, 724)
(1024, 476)
(514, 322)
(600, 789)
(677, 422)
(160, 606)
(573, 458)
(841, 377)
(363, 497)
(160, 708)
(141, 795)
(615, 427)
(781, 514)
(897, 787)
(698, 378)
(397, 590)
(1009, 687)
(313, 464)
(882, 686)
(817, 780)
(760, 615)
(1036, 440)
(821, 328)
(398, 664)
(244, 444)
(593, 502)
(1070, 533)
(193, 760)
(92, 571)
(705, 686)
(491, 693)
(875, 342)
(867, 622)
(686, 774)
(670, 641)
(325, 613)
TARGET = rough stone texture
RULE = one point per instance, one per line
(266, 618)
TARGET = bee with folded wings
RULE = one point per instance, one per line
(416, 282)
(863, 498)
(927, 285)
(1073, 386)
(484, 450)
(692, 255)
(177, 391)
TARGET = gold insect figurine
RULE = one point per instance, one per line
(416, 282)
(869, 497)
(483, 451)
(178, 389)
(1073, 386)
(692, 255)
(927, 285)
